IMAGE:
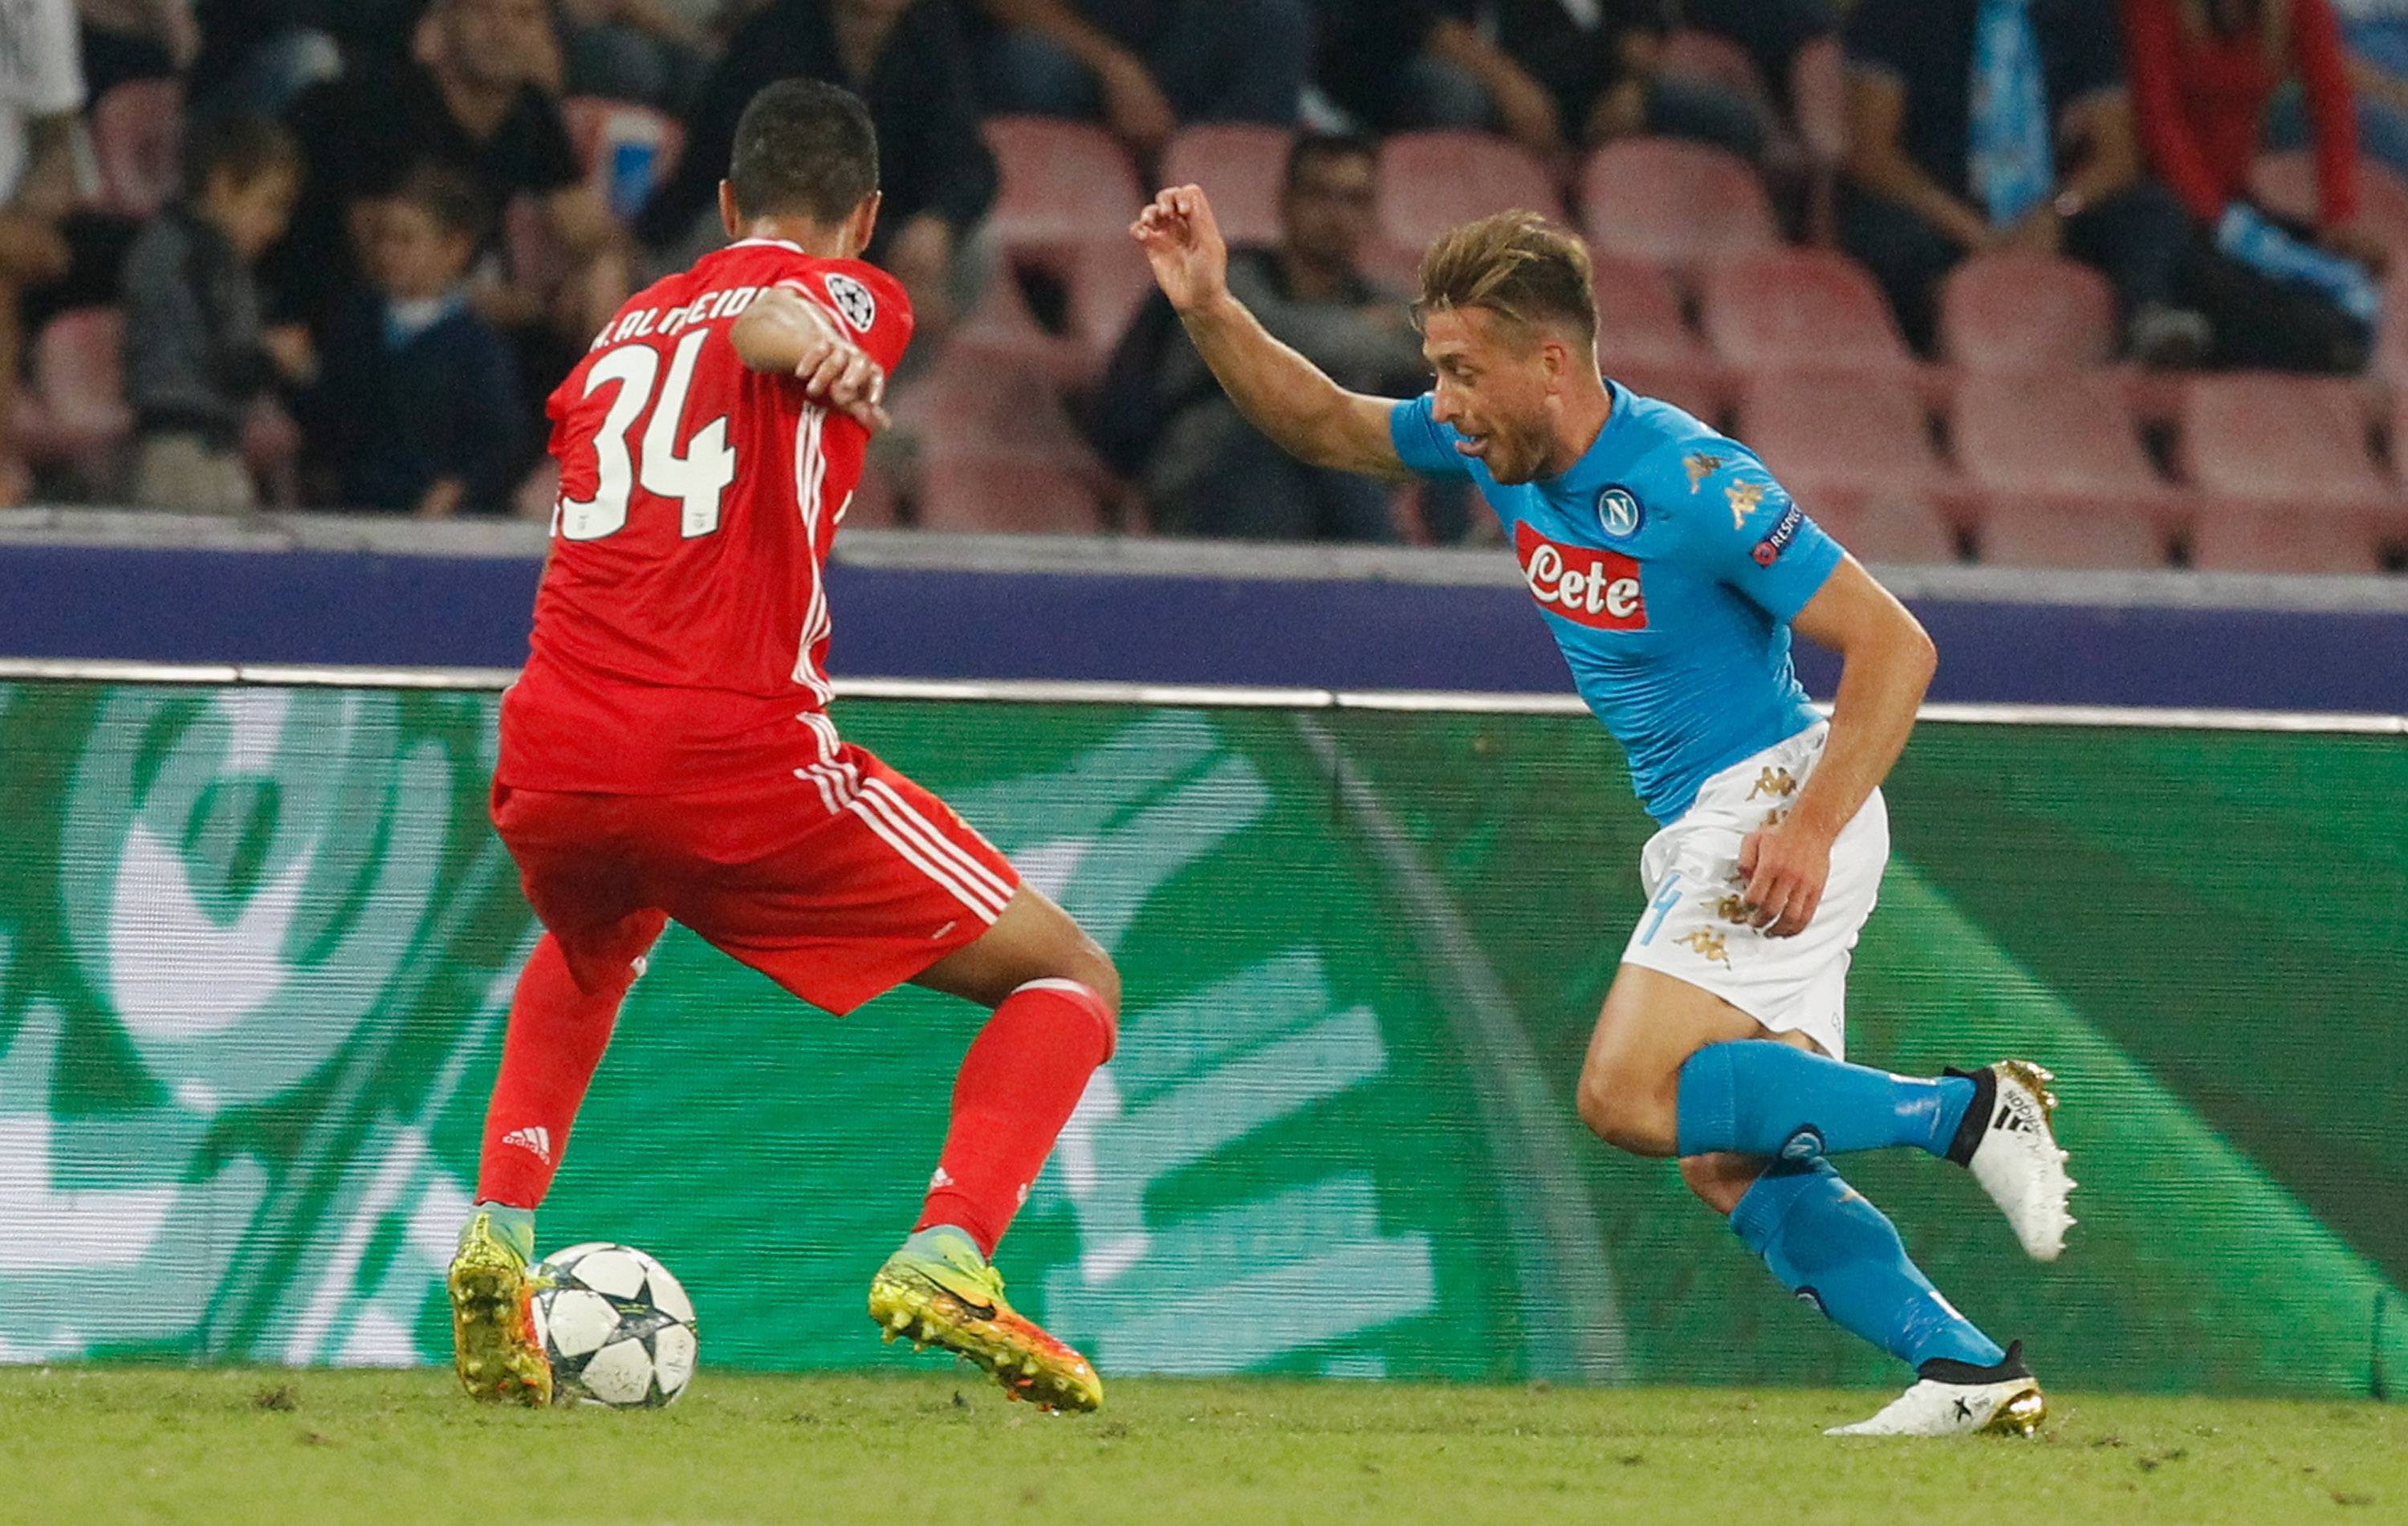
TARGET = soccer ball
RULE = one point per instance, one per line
(617, 1328)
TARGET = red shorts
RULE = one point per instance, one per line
(838, 881)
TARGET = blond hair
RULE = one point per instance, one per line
(1518, 265)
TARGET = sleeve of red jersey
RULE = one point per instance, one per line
(866, 303)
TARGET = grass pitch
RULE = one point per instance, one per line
(117, 1445)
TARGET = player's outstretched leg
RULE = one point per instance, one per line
(1837, 1251)
(1759, 1099)
(1056, 999)
(559, 1026)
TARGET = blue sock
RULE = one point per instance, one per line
(1837, 1251)
(1756, 1097)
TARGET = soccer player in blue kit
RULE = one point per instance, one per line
(1672, 569)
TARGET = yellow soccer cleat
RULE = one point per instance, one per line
(495, 1345)
(938, 1290)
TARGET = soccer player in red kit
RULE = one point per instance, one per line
(667, 753)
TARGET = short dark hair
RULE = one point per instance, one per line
(1309, 147)
(451, 200)
(242, 146)
(804, 146)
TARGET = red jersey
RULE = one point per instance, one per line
(682, 625)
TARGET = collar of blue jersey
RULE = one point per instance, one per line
(1601, 449)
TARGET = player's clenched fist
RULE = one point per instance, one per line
(1191, 261)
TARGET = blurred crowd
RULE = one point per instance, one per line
(335, 253)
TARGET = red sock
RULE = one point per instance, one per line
(557, 1034)
(1018, 1084)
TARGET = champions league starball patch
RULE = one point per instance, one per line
(1618, 513)
(853, 301)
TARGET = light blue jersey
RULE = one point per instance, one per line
(1669, 564)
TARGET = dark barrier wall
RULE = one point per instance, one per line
(256, 946)
(184, 605)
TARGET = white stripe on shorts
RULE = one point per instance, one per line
(979, 902)
(936, 842)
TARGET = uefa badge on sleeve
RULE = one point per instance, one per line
(1618, 513)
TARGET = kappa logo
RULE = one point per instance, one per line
(1584, 585)
(534, 1139)
(853, 301)
(1743, 497)
(1699, 466)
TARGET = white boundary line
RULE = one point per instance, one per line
(1191, 696)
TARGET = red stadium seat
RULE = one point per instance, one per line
(1108, 280)
(598, 127)
(137, 144)
(1242, 167)
(1713, 59)
(1433, 181)
(75, 410)
(1644, 341)
(2286, 183)
(1064, 185)
(1674, 203)
(2064, 479)
(1854, 451)
(1801, 308)
(1006, 493)
(2027, 313)
(2288, 480)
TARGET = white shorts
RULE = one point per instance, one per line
(1692, 928)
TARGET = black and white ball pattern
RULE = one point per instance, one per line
(619, 1328)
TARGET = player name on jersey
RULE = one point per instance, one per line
(1582, 584)
(640, 323)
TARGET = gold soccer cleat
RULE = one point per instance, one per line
(496, 1348)
(953, 1298)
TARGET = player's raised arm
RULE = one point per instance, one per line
(1286, 396)
(784, 333)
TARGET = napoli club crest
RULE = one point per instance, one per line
(1617, 513)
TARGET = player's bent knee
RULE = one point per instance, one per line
(1626, 1114)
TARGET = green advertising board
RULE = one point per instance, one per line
(257, 944)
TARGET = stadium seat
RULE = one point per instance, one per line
(1009, 493)
(2062, 476)
(2390, 362)
(1674, 204)
(137, 145)
(2288, 483)
(2286, 183)
(600, 127)
(1854, 451)
(872, 506)
(1644, 341)
(1801, 308)
(1713, 59)
(75, 411)
(2027, 313)
(1064, 185)
(1432, 182)
(1108, 280)
(1242, 167)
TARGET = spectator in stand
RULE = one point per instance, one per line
(1555, 77)
(475, 104)
(41, 88)
(1144, 66)
(1981, 124)
(908, 61)
(197, 358)
(418, 408)
(1159, 415)
(2374, 57)
(136, 39)
(2203, 73)
(650, 52)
